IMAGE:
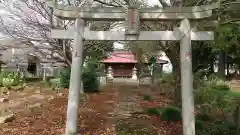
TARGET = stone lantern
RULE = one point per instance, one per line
(134, 73)
(109, 73)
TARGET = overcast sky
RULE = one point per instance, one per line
(153, 2)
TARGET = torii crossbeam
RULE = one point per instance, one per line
(143, 35)
(133, 16)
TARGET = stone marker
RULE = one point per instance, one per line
(37, 105)
(38, 91)
(51, 98)
(4, 90)
(82, 98)
(17, 88)
(60, 94)
(4, 100)
(7, 117)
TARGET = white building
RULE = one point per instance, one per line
(15, 55)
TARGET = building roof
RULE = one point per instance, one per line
(121, 57)
(126, 57)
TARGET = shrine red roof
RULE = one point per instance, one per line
(125, 57)
(121, 57)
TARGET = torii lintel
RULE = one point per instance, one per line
(119, 13)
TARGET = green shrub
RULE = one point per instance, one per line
(229, 125)
(65, 77)
(89, 78)
(234, 93)
(54, 83)
(33, 79)
(47, 84)
(167, 78)
(154, 111)
(214, 94)
(10, 78)
(167, 83)
(204, 94)
(90, 81)
(199, 124)
(171, 114)
(221, 87)
(203, 117)
(205, 108)
(147, 97)
(215, 128)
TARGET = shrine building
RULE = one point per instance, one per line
(123, 63)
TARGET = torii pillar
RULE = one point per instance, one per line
(75, 85)
(187, 79)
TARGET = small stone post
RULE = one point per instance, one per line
(134, 73)
(109, 74)
(44, 72)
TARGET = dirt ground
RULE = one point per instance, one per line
(18, 100)
(109, 112)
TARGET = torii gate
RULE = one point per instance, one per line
(133, 16)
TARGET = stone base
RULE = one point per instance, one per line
(109, 80)
(134, 77)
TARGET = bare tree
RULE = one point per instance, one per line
(30, 22)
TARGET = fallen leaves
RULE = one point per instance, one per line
(94, 116)
(49, 119)
(158, 125)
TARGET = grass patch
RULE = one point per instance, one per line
(234, 93)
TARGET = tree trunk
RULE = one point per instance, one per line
(174, 57)
(177, 77)
(228, 69)
(153, 75)
(139, 65)
(211, 69)
(51, 17)
(221, 64)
